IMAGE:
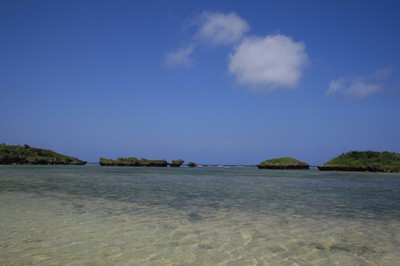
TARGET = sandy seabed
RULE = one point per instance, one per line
(60, 230)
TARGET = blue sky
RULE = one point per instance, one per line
(224, 82)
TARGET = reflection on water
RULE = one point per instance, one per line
(209, 216)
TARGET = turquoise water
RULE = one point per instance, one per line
(91, 215)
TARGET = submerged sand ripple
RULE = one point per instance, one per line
(46, 230)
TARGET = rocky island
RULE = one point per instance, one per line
(15, 154)
(283, 163)
(192, 164)
(364, 161)
(176, 163)
(133, 161)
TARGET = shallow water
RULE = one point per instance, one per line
(91, 215)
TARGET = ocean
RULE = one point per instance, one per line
(92, 215)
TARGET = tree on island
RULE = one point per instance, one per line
(362, 161)
(15, 154)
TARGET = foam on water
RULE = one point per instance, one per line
(98, 216)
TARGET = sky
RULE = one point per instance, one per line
(214, 82)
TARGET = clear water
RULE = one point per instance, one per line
(91, 215)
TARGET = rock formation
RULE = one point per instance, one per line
(176, 163)
(132, 161)
(283, 163)
(192, 164)
(15, 154)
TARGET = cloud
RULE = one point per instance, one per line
(212, 29)
(269, 63)
(180, 57)
(221, 29)
(263, 64)
(358, 87)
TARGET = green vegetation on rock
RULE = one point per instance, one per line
(192, 164)
(176, 163)
(133, 161)
(15, 154)
(106, 162)
(371, 161)
(283, 163)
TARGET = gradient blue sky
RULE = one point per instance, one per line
(222, 82)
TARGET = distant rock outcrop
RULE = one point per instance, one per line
(176, 163)
(364, 161)
(132, 161)
(283, 163)
(191, 164)
(15, 154)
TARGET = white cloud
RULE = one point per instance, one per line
(213, 29)
(221, 29)
(180, 57)
(263, 64)
(335, 86)
(269, 63)
(359, 86)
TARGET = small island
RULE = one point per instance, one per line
(192, 164)
(176, 163)
(364, 161)
(15, 154)
(283, 163)
(133, 161)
